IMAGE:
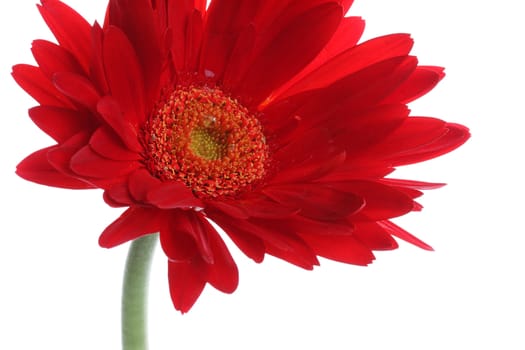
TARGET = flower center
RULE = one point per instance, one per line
(206, 139)
(207, 143)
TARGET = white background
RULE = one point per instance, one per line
(59, 290)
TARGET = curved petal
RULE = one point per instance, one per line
(343, 248)
(346, 5)
(36, 84)
(350, 96)
(229, 207)
(78, 88)
(192, 244)
(361, 131)
(88, 163)
(186, 282)
(289, 52)
(133, 223)
(422, 80)
(111, 113)
(60, 156)
(140, 182)
(258, 206)
(223, 274)
(345, 37)
(71, 30)
(419, 139)
(124, 75)
(172, 195)
(184, 21)
(36, 168)
(117, 195)
(381, 201)
(225, 23)
(397, 231)
(107, 144)
(353, 60)
(251, 245)
(96, 68)
(52, 58)
(373, 236)
(136, 19)
(315, 200)
(61, 123)
(277, 236)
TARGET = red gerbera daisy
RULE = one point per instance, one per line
(263, 116)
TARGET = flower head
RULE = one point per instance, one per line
(265, 117)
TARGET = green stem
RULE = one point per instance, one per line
(135, 291)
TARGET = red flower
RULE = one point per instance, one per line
(263, 116)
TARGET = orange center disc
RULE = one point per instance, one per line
(207, 140)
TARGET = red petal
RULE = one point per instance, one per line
(411, 184)
(88, 163)
(312, 169)
(288, 246)
(140, 183)
(223, 274)
(36, 168)
(124, 76)
(305, 145)
(321, 227)
(52, 58)
(133, 223)
(70, 29)
(397, 231)
(181, 20)
(110, 111)
(226, 20)
(36, 84)
(346, 36)
(231, 208)
(240, 57)
(248, 243)
(173, 195)
(348, 97)
(315, 200)
(352, 60)
(194, 29)
(136, 19)
(454, 136)
(345, 248)
(381, 201)
(61, 123)
(78, 88)
(184, 238)
(361, 90)
(96, 68)
(374, 236)
(419, 83)
(278, 237)
(418, 139)
(362, 131)
(192, 244)
(60, 156)
(290, 51)
(359, 169)
(186, 280)
(346, 5)
(117, 195)
(107, 144)
(302, 255)
(222, 271)
(263, 207)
